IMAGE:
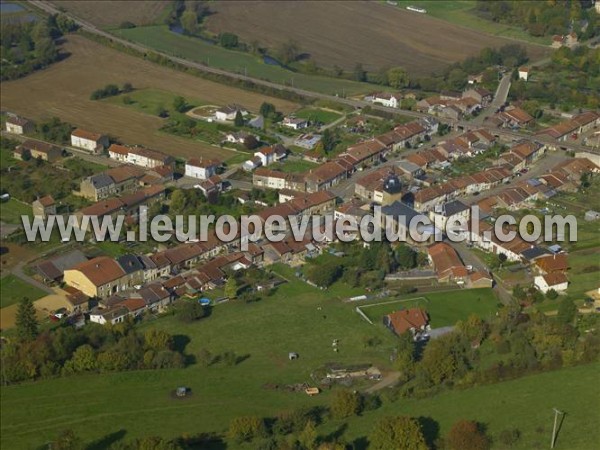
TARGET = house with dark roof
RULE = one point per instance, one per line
(382, 186)
(19, 125)
(454, 213)
(111, 182)
(396, 220)
(156, 296)
(52, 269)
(228, 113)
(133, 268)
(38, 149)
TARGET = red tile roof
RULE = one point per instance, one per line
(402, 321)
(100, 270)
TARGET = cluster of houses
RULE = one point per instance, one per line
(565, 177)
(140, 156)
(510, 117)
(573, 127)
(568, 40)
(355, 158)
(455, 105)
(449, 268)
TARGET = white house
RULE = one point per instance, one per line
(18, 125)
(201, 169)
(452, 213)
(555, 280)
(147, 158)
(295, 123)
(228, 113)
(523, 73)
(237, 137)
(386, 99)
(269, 155)
(94, 142)
(251, 164)
(116, 314)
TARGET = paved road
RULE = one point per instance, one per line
(542, 166)
(470, 258)
(83, 154)
(499, 99)
(51, 9)
(17, 271)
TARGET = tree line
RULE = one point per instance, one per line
(37, 354)
(543, 18)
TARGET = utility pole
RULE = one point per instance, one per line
(556, 413)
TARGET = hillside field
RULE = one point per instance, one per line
(346, 33)
(296, 318)
(64, 90)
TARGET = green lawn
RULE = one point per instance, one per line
(264, 331)
(13, 289)
(583, 273)
(161, 39)
(12, 210)
(462, 13)
(444, 308)
(295, 165)
(319, 115)
(297, 318)
(81, 167)
(149, 100)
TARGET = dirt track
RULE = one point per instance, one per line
(64, 89)
(346, 33)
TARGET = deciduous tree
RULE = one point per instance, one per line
(467, 434)
(344, 403)
(398, 433)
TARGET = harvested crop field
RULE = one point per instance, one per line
(139, 12)
(64, 90)
(346, 33)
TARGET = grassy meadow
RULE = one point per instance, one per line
(444, 308)
(13, 289)
(296, 318)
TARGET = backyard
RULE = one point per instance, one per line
(444, 308)
(13, 289)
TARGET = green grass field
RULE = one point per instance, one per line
(583, 273)
(444, 308)
(149, 100)
(13, 289)
(462, 13)
(320, 115)
(295, 165)
(297, 318)
(161, 39)
(12, 210)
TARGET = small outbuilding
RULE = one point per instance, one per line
(293, 355)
